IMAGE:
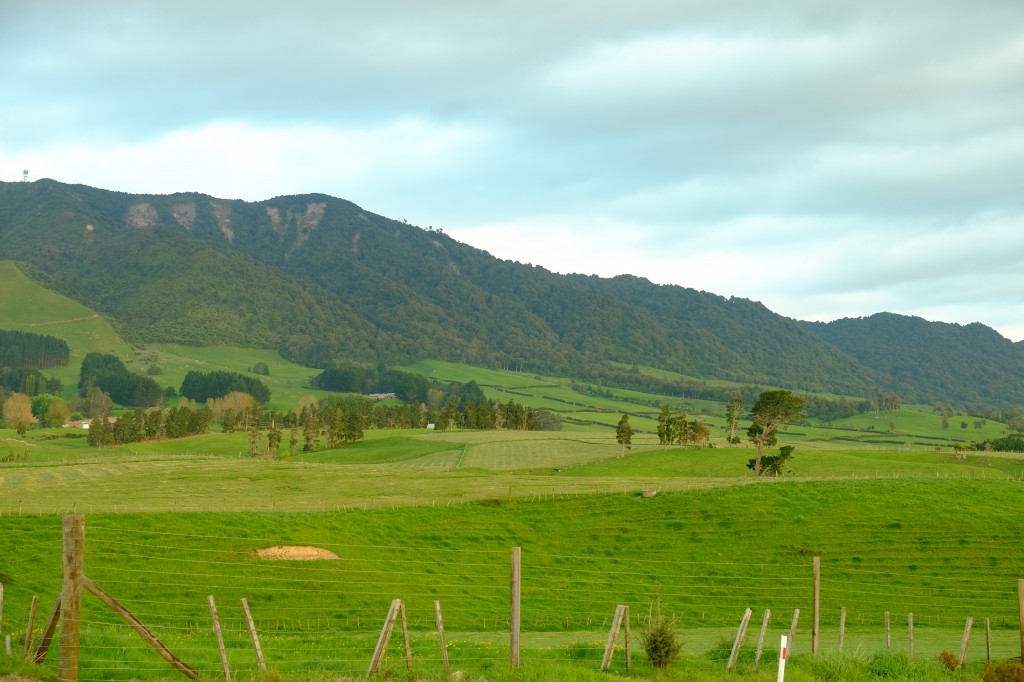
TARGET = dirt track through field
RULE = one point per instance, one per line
(74, 319)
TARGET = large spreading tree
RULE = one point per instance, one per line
(771, 411)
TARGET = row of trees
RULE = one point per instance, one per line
(185, 419)
(24, 349)
(769, 413)
(27, 380)
(201, 386)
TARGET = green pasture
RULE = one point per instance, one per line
(287, 381)
(26, 306)
(53, 472)
(895, 545)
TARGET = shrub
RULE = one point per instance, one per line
(1004, 672)
(659, 637)
(948, 660)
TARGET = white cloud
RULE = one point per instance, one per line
(829, 159)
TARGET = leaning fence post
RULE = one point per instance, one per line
(760, 640)
(385, 635)
(792, 629)
(220, 639)
(963, 645)
(515, 590)
(255, 635)
(31, 624)
(842, 628)
(609, 647)
(51, 627)
(740, 634)
(440, 634)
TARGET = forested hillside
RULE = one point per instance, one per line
(934, 359)
(323, 280)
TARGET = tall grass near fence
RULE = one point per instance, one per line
(943, 549)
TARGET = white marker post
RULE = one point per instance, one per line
(782, 658)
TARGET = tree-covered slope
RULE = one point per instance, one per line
(322, 279)
(970, 365)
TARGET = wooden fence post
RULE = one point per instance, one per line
(515, 590)
(792, 629)
(144, 632)
(405, 636)
(842, 628)
(609, 647)
(1020, 613)
(73, 561)
(988, 642)
(738, 642)
(385, 635)
(255, 635)
(440, 634)
(817, 606)
(629, 650)
(1, 607)
(760, 640)
(220, 639)
(910, 634)
(963, 644)
(888, 635)
(31, 624)
(51, 627)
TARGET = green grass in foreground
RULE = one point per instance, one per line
(886, 545)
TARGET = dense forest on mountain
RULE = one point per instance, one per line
(971, 364)
(324, 281)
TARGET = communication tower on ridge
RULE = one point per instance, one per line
(24, 175)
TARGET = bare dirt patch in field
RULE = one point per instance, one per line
(295, 553)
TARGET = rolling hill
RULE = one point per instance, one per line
(320, 279)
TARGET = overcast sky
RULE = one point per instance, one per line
(828, 158)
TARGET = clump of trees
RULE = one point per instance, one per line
(681, 430)
(108, 373)
(184, 419)
(201, 386)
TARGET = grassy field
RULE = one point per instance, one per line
(886, 545)
(900, 524)
(26, 306)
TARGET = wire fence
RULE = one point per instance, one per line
(323, 616)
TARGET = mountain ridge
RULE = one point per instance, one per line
(322, 279)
